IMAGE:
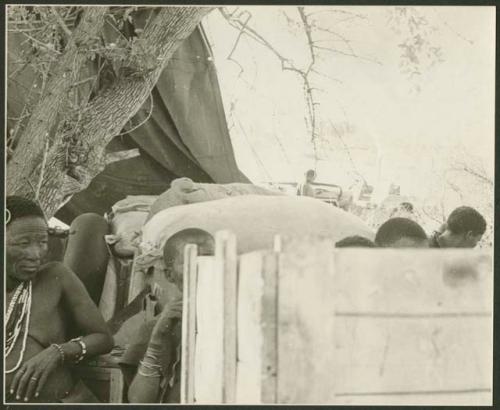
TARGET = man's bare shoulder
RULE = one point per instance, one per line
(54, 270)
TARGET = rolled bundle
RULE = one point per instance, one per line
(254, 219)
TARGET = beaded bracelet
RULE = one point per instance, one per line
(60, 350)
(82, 344)
(156, 369)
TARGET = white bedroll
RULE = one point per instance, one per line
(307, 324)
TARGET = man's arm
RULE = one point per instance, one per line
(145, 387)
(31, 378)
(86, 318)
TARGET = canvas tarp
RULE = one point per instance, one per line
(186, 134)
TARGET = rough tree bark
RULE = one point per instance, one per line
(29, 151)
(106, 115)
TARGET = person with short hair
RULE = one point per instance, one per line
(401, 233)
(306, 189)
(355, 241)
(151, 365)
(464, 228)
(45, 301)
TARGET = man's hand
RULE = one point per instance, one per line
(33, 374)
(171, 311)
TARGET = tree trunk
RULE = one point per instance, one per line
(29, 151)
(107, 114)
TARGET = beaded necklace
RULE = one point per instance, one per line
(18, 315)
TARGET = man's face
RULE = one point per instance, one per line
(311, 176)
(26, 247)
(470, 240)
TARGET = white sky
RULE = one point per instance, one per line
(415, 132)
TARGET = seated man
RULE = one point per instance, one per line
(355, 242)
(463, 229)
(401, 233)
(306, 189)
(151, 365)
(44, 301)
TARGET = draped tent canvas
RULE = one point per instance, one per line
(184, 130)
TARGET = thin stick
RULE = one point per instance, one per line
(44, 162)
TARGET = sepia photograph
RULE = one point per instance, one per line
(249, 204)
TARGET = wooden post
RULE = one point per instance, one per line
(250, 330)
(306, 333)
(209, 352)
(269, 323)
(226, 257)
(189, 324)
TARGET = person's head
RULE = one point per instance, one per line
(173, 251)
(355, 241)
(464, 228)
(26, 242)
(401, 233)
(310, 175)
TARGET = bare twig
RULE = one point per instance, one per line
(307, 29)
(240, 34)
(40, 43)
(42, 169)
(348, 151)
(338, 11)
(144, 121)
(61, 22)
(451, 29)
(334, 50)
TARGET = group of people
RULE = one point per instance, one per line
(463, 229)
(52, 323)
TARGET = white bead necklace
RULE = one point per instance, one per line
(22, 295)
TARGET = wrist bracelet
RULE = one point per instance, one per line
(155, 368)
(82, 344)
(60, 350)
(154, 374)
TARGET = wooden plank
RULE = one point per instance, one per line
(306, 323)
(188, 324)
(250, 330)
(454, 398)
(434, 283)
(116, 386)
(412, 321)
(379, 355)
(229, 261)
(137, 280)
(208, 366)
(269, 323)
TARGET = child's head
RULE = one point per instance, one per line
(173, 251)
(355, 241)
(465, 227)
(401, 233)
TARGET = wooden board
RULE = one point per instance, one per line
(316, 325)
(423, 398)
(306, 323)
(269, 324)
(189, 324)
(378, 355)
(208, 372)
(413, 282)
(225, 253)
(250, 331)
(413, 325)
